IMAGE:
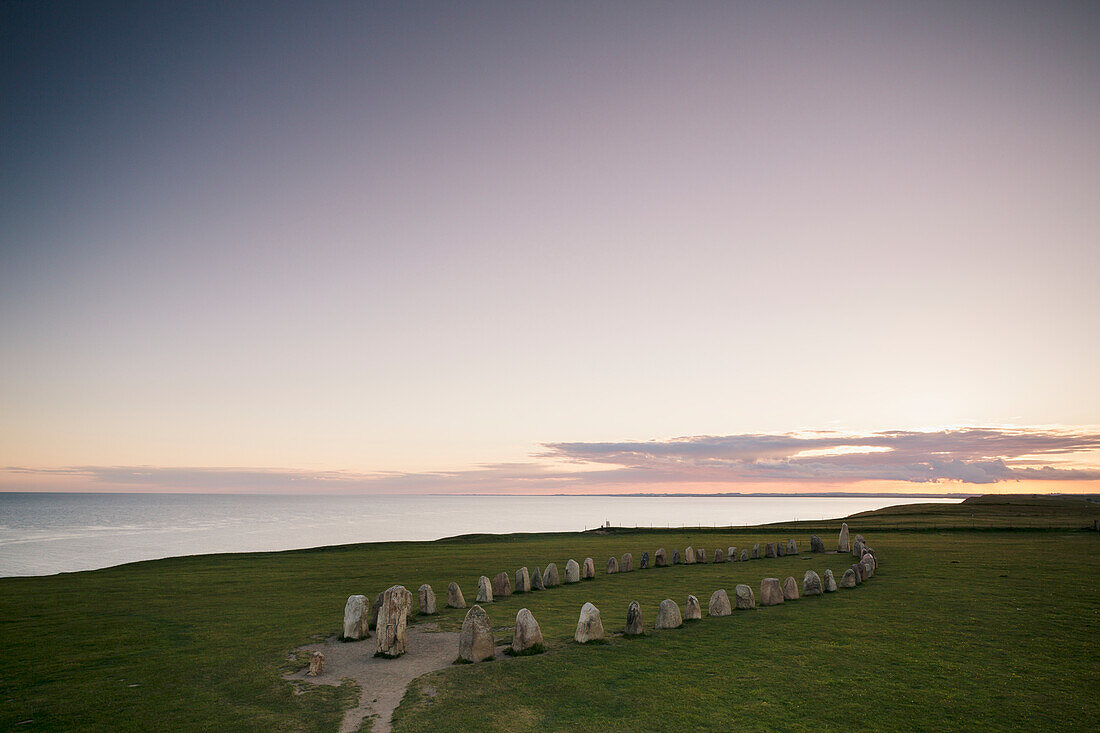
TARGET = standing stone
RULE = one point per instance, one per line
(659, 558)
(527, 633)
(536, 580)
(744, 597)
(857, 547)
(588, 570)
(454, 596)
(700, 555)
(719, 604)
(771, 593)
(816, 545)
(425, 597)
(868, 552)
(589, 625)
(780, 549)
(316, 664)
(627, 563)
(830, 582)
(502, 585)
(719, 556)
(689, 556)
(356, 618)
(811, 584)
(475, 641)
(523, 581)
(643, 563)
(668, 616)
(790, 589)
(860, 571)
(731, 554)
(848, 580)
(572, 571)
(374, 608)
(550, 577)
(392, 618)
(675, 557)
(868, 565)
(859, 538)
(792, 547)
(769, 550)
(692, 611)
(484, 590)
(612, 565)
(755, 551)
(633, 619)
(842, 542)
(744, 555)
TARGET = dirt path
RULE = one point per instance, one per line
(382, 681)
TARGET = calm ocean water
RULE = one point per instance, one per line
(51, 533)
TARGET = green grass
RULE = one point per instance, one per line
(959, 629)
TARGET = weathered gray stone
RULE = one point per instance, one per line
(523, 580)
(868, 565)
(356, 618)
(572, 571)
(816, 545)
(668, 615)
(848, 580)
(316, 664)
(612, 565)
(550, 577)
(659, 558)
(857, 547)
(633, 619)
(675, 557)
(780, 549)
(374, 608)
(755, 555)
(792, 547)
(842, 542)
(475, 640)
(589, 625)
(689, 556)
(771, 592)
(829, 582)
(719, 555)
(454, 596)
(392, 619)
(769, 550)
(719, 604)
(502, 586)
(692, 611)
(744, 555)
(537, 582)
(527, 633)
(811, 584)
(588, 570)
(700, 555)
(643, 562)
(425, 597)
(627, 563)
(744, 597)
(790, 589)
(860, 571)
(484, 590)
(731, 554)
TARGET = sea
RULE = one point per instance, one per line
(46, 533)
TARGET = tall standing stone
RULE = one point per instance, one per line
(689, 556)
(744, 597)
(861, 573)
(692, 611)
(792, 547)
(356, 618)
(475, 641)
(816, 545)
(425, 597)
(769, 550)
(643, 562)
(572, 571)
(484, 590)
(523, 580)
(588, 569)
(537, 582)
(857, 547)
(790, 589)
(612, 565)
(454, 596)
(719, 604)
(842, 542)
(550, 577)
(668, 615)
(731, 554)
(502, 585)
(811, 584)
(675, 557)
(633, 619)
(527, 634)
(868, 565)
(392, 618)
(755, 551)
(700, 555)
(830, 582)
(848, 580)
(659, 558)
(780, 549)
(627, 563)
(719, 555)
(744, 555)
(771, 592)
(589, 625)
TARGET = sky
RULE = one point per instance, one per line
(550, 247)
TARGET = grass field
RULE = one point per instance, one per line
(973, 629)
